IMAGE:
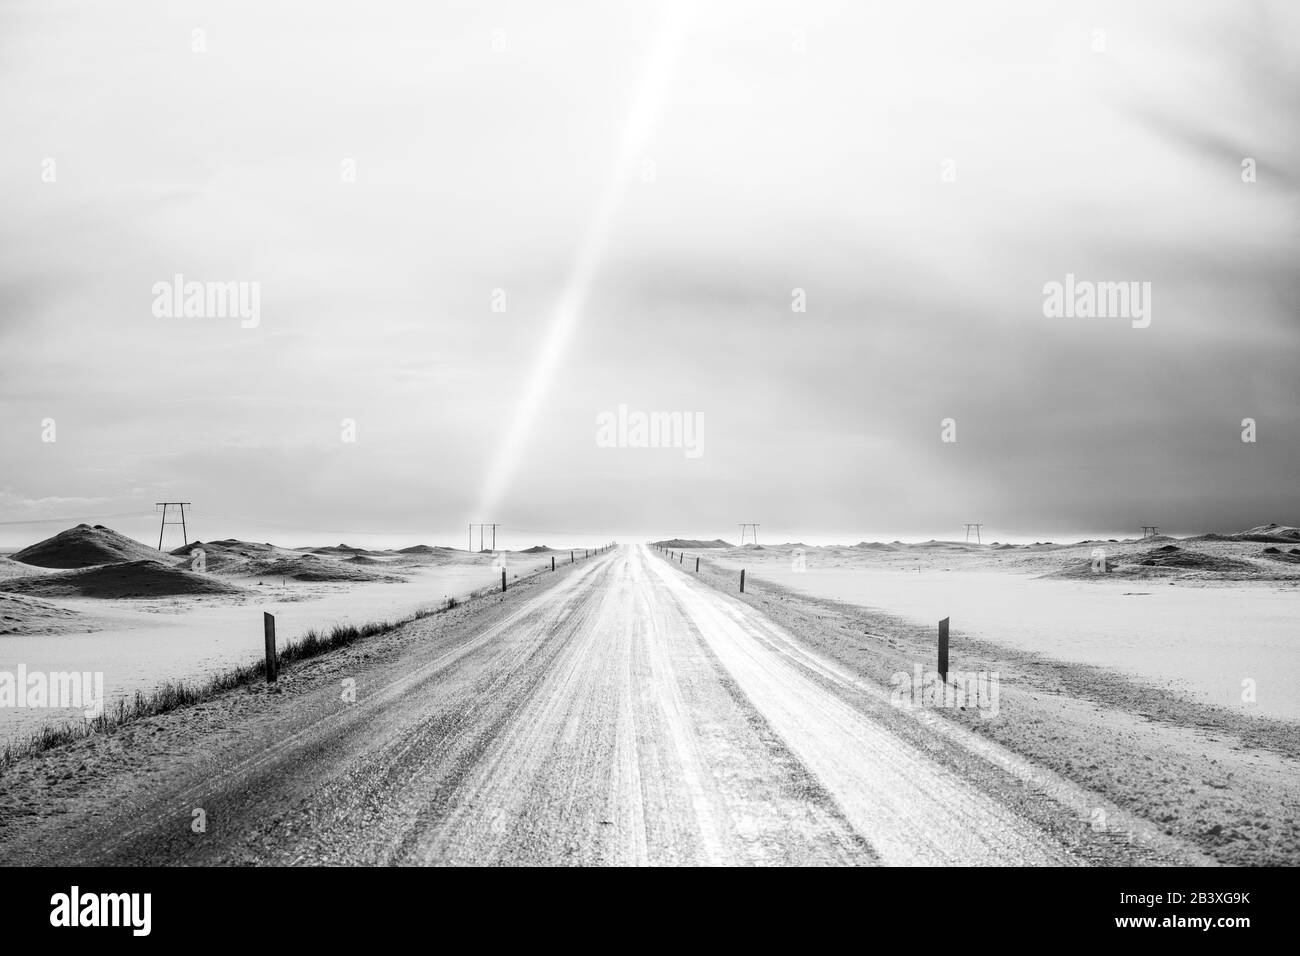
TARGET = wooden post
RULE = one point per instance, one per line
(697, 565)
(570, 557)
(503, 580)
(681, 557)
(272, 665)
(552, 562)
(742, 580)
(943, 649)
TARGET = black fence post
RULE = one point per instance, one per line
(268, 631)
(943, 649)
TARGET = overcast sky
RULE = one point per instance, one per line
(648, 186)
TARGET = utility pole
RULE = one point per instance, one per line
(1149, 530)
(172, 504)
(480, 535)
(977, 533)
(753, 530)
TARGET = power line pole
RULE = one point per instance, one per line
(172, 504)
(480, 535)
(977, 533)
(1149, 530)
(754, 531)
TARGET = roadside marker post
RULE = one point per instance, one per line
(268, 630)
(681, 556)
(943, 649)
(552, 562)
(742, 580)
(697, 565)
(503, 580)
(570, 557)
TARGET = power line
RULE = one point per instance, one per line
(123, 514)
(514, 530)
(313, 529)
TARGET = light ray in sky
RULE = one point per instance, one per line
(640, 122)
